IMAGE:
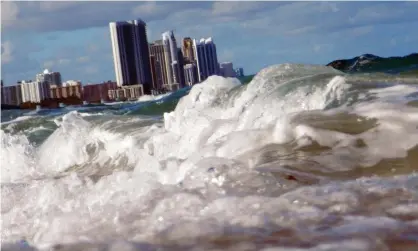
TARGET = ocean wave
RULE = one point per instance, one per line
(287, 155)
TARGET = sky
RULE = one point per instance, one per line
(73, 37)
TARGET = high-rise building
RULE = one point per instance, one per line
(206, 58)
(70, 88)
(130, 92)
(239, 72)
(190, 74)
(52, 78)
(131, 54)
(168, 60)
(188, 50)
(227, 70)
(97, 93)
(160, 75)
(180, 67)
(153, 70)
(170, 49)
(34, 91)
(172, 61)
(11, 95)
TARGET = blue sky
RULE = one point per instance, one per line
(73, 37)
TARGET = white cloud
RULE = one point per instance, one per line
(6, 52)
(301, 30)
(329, 6)
(91, 69)
(83, 59)
(360, 31)
(376, 12)
(290, 31)
(49, 64)
(226, 55)
(409, 39)
(92, 48)
(64, 61)
(55, 6)
(53, 63)
(233, 7)
(150, 8)
(323, 48)
(9, 13)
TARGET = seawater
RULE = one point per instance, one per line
(303, 157)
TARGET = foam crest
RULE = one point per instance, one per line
(78, 143)
(17, 157)
(110, 177)
(211, 111)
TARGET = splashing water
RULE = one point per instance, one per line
(302, 158)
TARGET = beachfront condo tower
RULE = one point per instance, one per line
(131, 54)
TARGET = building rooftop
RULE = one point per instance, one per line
(158, 42)
(135, 21)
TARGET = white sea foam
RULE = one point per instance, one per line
(198, 169)
(153, 97)
(17, 157)
(18, 119)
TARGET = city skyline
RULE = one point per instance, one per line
(141, 68)
(154, 67)
(252, 35)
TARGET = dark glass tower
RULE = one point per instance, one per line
(131, 54)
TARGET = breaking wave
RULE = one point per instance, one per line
(303, 157)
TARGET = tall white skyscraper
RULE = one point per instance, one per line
(131, 53)
(171, 57)
(190, 74)
(34, 91)
(206, 58)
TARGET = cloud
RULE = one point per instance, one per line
(92, 48)
(323, 48)
(91, 69)
(302, 18)
(359, 31)
(250, 34)
(232, 7)
(55, 6)
(226, 55)
(301, 30)
(83, 59)
(6, 52)
(64, 61)
(56, 62)
(65, 16)
(9, 13)
(49, 64)
(149, 9)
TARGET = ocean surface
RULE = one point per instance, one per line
(303, 157)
